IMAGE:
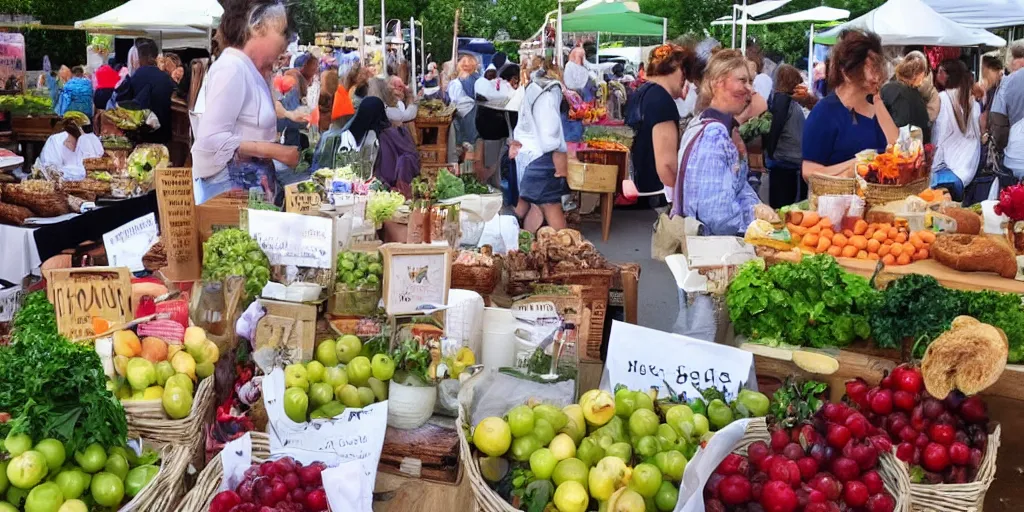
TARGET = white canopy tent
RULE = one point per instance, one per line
(746, 12)
(981, 13)
(912, 22)
(173, 24)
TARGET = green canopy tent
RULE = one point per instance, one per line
(613, 18)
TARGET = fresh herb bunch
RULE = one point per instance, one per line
(473, 185)
(795, 403)
(381, 206)
(52, 387)
(448, 186)
(414, 359)
(812, 303)
(914, 306)
(756, 127)
(232, 252)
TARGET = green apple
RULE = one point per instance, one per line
(296, 376)
(315, 372)
(380, 389)
(320, 393)
(45, 497)
(116, 465)
(366, 396)
(296, 403)
(53, 450)
(520, 420)
(327, 353)
(335, 376)
(383, 367)
(92, 458)
(349, 395)
(646, 479)
(359, 371)
(542, 463)
(17, 444)
(73, 482)
(348, 347)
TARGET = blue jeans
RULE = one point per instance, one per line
(945, 178)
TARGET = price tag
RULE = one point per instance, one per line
(353, 435)
(178, 223)
(306, 203)
(642, 358)
(79, 294)
(293, 239)
(127, 244)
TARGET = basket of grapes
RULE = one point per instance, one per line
(357, 286)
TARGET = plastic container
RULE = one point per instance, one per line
(463, 319)
(410, 407)
(498, 340)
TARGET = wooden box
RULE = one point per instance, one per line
(289, 325)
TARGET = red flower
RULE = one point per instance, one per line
(1011, 203)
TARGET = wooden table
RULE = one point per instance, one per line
(946, 276)
(394, 493)
(1005, 403)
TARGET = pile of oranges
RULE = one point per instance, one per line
(893, 244)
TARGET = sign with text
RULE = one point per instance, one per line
(12, 63)
(642, 358)
(79, 294)
(306, 203)
(353, 435)
(293, 239)
(178, 226)
(416, 276)
(127, 244)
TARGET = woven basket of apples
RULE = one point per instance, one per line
(201, 496)
(944, 451)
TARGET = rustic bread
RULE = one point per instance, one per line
(975, 253)
(967, 222)
(970, 356)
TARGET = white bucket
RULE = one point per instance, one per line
(410, 406)
(498, 341)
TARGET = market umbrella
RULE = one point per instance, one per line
(912, 22)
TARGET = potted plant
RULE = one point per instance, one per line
(412, 391)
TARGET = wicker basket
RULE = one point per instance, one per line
(587, 177)
(146, 419)
(486, 499)
(480, 279)
(596, 285)
(877, 195)
(208, 482)
(948, 497)
(168, 484)
(820, 185)
(442, 117)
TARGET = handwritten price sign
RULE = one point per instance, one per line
(642, 358)
(293, 239)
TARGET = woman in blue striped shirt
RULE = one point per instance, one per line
(712, 158)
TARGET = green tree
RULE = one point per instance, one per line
(63, 46)
(686, 16)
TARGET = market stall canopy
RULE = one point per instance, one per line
(613, 18)
(810, 15)
(179, 24)
(912, 22)
(981, 13)
(587, 4)
(753, 11)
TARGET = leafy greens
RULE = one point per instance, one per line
(232, 252)
(52, 387)
(812, 303)
(914, 306)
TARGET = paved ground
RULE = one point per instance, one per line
(630, 241)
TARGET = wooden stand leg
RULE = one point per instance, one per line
(630, 289)
(607, 201)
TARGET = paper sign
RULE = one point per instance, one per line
(348, 488)
(10, 302)
(416, 277)
(354, 435)
(235, 458)
(79, 294)
(178, 224)
(12, 63)
(306, 203)
(642, 358)
(293, 239)
(705, 462)
(127, 244)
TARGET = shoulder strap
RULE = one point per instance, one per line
(677, 199)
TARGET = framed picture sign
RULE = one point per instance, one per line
(416, 277)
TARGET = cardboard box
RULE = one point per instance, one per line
(290, 326)
(218, 213)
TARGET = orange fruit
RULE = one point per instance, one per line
(916, 241)
(892, 232)
(860, 227)
(927, 236)
(880, 235)
(849, 251)
(888, 259)
(896, 249)
(839, 240)
(870, 232)
(883, 250)
(921, 254)
(873, 245)
(862, 255)
(873, 256)
(901, 237)
(835, 251)
(823, 245)
(848, 233)
(827, 233)
(810, 240)
(859, 242)
(904, 259)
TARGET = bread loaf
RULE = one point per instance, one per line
(970, 356)
(975, 253)
(967, 222)
(13, 214)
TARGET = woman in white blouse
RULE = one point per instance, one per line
(539, 150)
(956, 132)
(234, 147)
(67, 148)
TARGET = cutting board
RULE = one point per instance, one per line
(946, 276)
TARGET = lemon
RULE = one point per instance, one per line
(492, 436)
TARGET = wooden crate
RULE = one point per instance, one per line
(38, 128)
(432, 141)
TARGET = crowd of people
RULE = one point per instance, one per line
(259, 111)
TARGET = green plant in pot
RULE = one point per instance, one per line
(412, 390)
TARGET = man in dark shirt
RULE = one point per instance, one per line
(152, 89)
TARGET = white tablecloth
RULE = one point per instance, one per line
(18, 254)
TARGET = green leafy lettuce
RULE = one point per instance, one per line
(448, 186)
(232, 252)
(812, 303)
(52, 387)
(917, 307)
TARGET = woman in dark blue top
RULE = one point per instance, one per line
(850, 119)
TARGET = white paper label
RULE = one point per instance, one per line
(292, 238)
(127, 244)
(353, 435)
(642, 358)
(236, 457)
(348, 488)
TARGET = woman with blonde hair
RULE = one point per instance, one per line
(462, 93)
(712, 182)
(902, 97)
